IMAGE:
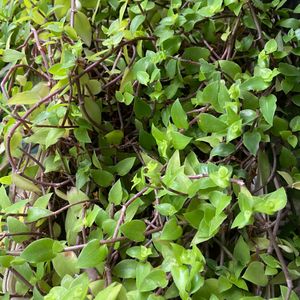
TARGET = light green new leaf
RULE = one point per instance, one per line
(242, 219)
(180, 276)
(111, 292)
(179, 116)
(143, 77)
(271, 203)
(296, 185)
(219, 200)
(271, 46)
(139, 252)
(267, 106)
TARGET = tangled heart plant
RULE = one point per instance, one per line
(149, 149)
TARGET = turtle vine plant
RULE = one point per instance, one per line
(149, 149)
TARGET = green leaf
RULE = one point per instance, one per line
(36, 213)
(251, 141)
(124, 166)
(222, 150)
(296, 185)
(179, 116)
(136, 22)
(179, 140)
(180, 276)
(42, 201)
(171, 231)
(83, 27)
(111, 292)
(114, 137)
(94, 87)
(15, 226)
(24, 184)
(91, 111)
(172, 45)
(82, 135)
(271, 46)
(268, 107)
(220, 177)
(242, 219)
(102, 178)
(286, 294)
(209, 123)
(143, 77)
(288, 70)
(53, 136)
(241, 251)
(37, 93)
(92, 254)
(256, 84)
(230, 68)
(286, 176)
(62, 8)
(4, 199)
(271, 203)
(126, 268)
(295, 124)
(39, 251)
(219, 200)
(11, 55)
(65, 263)
(255, 273)
(139, 252)
(134, 230)
(156, 278)
(115, 194)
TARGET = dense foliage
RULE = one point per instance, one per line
(149, 149)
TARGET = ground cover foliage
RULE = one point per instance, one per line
(149, 149)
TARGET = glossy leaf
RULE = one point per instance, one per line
(179, 116)
(268, 107)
